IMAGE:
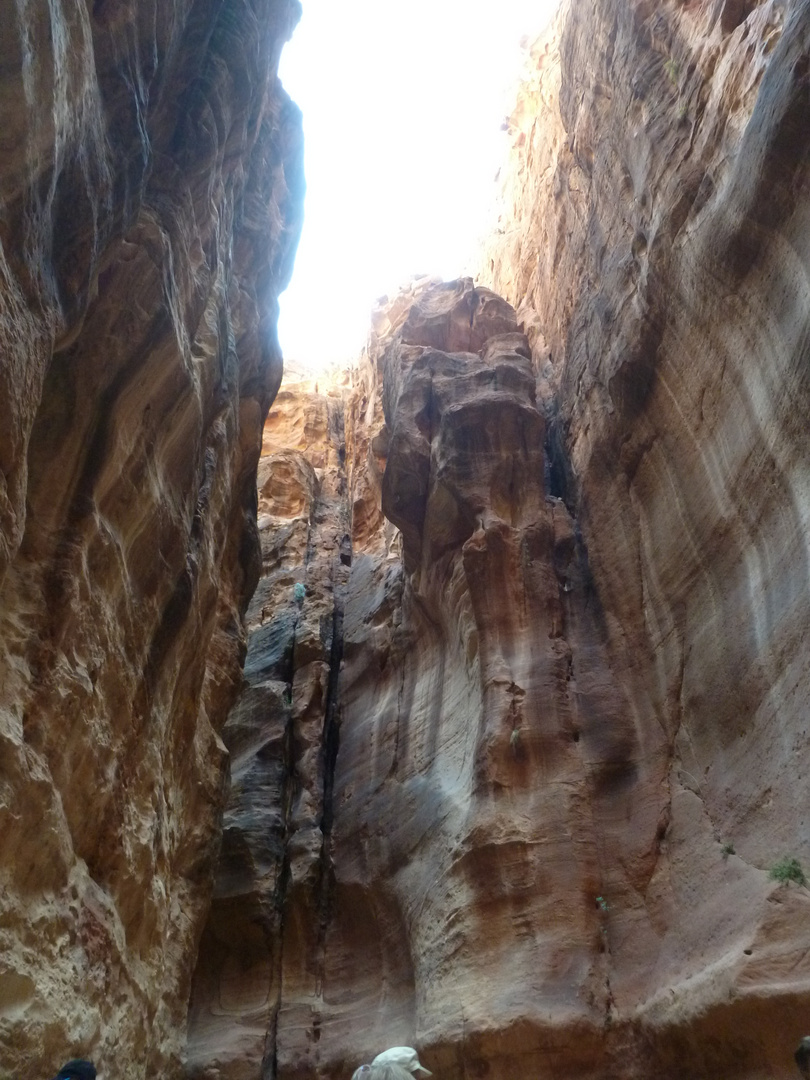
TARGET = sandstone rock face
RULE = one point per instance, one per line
(566, 744)
(281, 738)
(522, 723)
(472, 742)
(655, 241)
(150, 185)
(567, 739)
(427, 868)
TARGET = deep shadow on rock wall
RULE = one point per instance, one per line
(150, 191)
(272, 877)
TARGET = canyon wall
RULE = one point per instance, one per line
(562, 731)
(281, 741)
(150, 202)
(655, 235)
(521, 728)
(429, 727)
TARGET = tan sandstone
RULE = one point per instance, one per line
(150, 194)
(522, 724)
(654, 233)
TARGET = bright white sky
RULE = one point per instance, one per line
(403, 105)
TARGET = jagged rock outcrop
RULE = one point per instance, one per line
(151, 195)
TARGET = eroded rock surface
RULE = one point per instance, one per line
(655, 241)
(479, 730)
(472, 743)
(281, 741)
(570, 707)
(522, 725)
(150, 186)
(530, 853)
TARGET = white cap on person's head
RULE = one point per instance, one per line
(404, 1056)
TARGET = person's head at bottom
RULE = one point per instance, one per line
(77, 1069)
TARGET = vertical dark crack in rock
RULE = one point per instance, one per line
(275, 930)
(331, 738)
(341, 560)
(283, 736)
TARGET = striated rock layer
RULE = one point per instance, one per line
(411, 852)
(522, 725)
(570, 712)
(522, 841)
(150, 200)
(655, 240)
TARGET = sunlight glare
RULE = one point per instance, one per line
(403, 114)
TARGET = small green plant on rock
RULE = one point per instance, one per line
(672, 70)
(603, 908)
(727, 849)
(788, 869)
(514, 741)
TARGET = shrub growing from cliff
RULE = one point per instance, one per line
(788, 869)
